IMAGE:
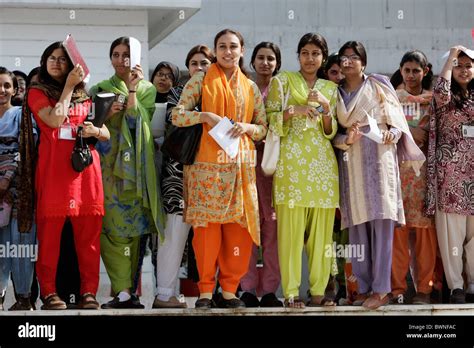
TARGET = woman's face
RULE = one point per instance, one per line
(464, 71)
(265, 62)
(121, 59)
(7, 91)
(198, 62)
(229, 51)
(163, 80)
(351, 63)
(413, 74)
(310, 58)
(57, 65)
(335, 74)
(21, 88)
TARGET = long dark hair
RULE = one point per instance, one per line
(203, 49)
(241, 40)
(44, 77)
(459, 96)
(319, 41)
(418, 57)
(274, 48)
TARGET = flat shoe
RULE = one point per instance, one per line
(270, 300)
(232, 303)
(205, 303)
(250, 300)
(173, 302)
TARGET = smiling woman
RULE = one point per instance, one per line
(21, 268)
(221, 198)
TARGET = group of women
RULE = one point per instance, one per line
(327, 170)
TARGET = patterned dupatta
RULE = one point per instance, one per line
(386, 109)
(218, 97)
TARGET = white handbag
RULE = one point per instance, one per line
(271, 151)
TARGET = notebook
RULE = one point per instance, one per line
(75, 56)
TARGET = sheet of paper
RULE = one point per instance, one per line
(219, 133)
(158, 122)
(374, 133)
(469, 52)
(135, 52)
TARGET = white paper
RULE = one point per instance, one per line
(374, 133)
(135, 52)
(469, 52)
(220, 134)
(158, 122)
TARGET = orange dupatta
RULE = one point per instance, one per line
(218, 97)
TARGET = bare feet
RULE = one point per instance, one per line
(294, 303)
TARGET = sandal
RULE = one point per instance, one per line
(323, 302)
(296, 303)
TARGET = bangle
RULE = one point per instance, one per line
(100, 133)
(131, 91)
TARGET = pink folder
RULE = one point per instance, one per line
(75, 55)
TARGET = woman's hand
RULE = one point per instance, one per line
(419, 135)
(136, 75)
(387, 137)
(353, 134)
(116, 107)
(318, 97)
(89, 130)
(240, 129)
(210, 118)
(75, 76)
(454, 51)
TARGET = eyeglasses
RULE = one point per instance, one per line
(53, 59)
(352, 58)
(166, 76)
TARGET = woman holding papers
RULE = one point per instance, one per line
(60, 104)
(301, 110)
(131, 191)
(451, 171)
(220, 192)
(371, 200)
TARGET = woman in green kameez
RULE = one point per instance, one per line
(131, 189)
(301, 108)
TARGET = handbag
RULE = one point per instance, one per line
(271, 151)
(81, 156)
(182, 143)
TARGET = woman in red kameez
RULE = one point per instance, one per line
(59, 105)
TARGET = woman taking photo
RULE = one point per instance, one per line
(371, 200)
(170, 251)
(451, 171)
(300, 107)
(131, 191)
(220, 195)
(264, 281)
(60, 105)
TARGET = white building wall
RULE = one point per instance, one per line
(387, 28)
(26, 32)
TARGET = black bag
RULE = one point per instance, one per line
(182, 143)
(81, 156)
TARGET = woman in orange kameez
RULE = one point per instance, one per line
(220, 193)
